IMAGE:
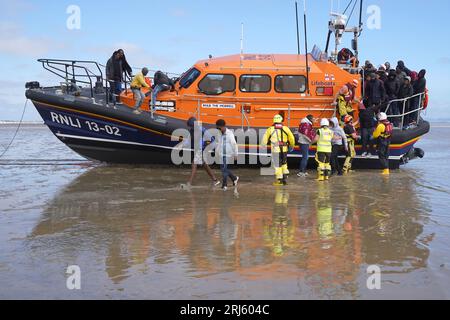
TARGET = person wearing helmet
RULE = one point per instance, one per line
(136, 85)
(352, 137)
(281, 140)
(343, 103)
(383, 134)
(352, 87)
(323, 139)
(198, 141)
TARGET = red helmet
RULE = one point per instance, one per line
(348, 119)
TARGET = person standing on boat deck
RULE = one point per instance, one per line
(282, 141)
(367, 125)
(228, 151)
(392, 86)
(338, 143)
(115, 68)
(419, 86)
(136, 85)
(198, 132)
(305, 139)
(406, 91)
(323, 139)
(352, 137)
(383, 134)
(375, 92)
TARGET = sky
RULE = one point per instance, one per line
(173, 35)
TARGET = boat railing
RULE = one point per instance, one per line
(75, 72)
(409, 107)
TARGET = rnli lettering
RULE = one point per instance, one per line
(218, 106)
(66, 120)
(86, 125)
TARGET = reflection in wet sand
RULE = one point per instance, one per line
(316, 240)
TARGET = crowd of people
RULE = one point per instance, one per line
(385, 84)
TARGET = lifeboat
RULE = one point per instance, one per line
(246, 90)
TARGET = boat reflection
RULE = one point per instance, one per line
(322, 235)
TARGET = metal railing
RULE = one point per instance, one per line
(406, 109)
(75, 71)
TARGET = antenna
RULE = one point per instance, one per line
(306, 48)
(242, 43)
(298, 31)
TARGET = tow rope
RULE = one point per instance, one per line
(17, 130)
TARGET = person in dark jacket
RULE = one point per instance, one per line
(419, 87)
(392, 87)
(162, 83)
(367, 126)
(402, 67)
(375, 92)
(115, 68)
(406, 91)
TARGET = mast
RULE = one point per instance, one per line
(306, 47)
(242, 43)
(298, 31)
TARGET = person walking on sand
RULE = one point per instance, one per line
(198, 141)
(282, 141)
(227, 149)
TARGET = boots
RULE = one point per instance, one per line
(278, 183)
(386, 172)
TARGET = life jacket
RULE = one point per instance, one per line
(389, 129)
(425, 100)
(324, 143)
(282, 138)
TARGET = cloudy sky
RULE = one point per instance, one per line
(173, 35)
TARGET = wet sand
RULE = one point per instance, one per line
(136, 235)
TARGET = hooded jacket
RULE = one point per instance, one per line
(421, 83)
(306, 132)
(339, 136)
(115, 68)
(226, 145)
(392, 86)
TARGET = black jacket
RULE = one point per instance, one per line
(375, 93)
(115, 68)
(366, 118)
(392, 87)
(420, 86)
(405, 91)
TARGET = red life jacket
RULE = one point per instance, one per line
(425, 100)
(389, 129)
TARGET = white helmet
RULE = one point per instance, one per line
(324, 123)
(382, 116)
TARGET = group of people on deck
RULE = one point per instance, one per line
(117, 68)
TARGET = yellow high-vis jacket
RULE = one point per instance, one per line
(280, 139)
(139, 82)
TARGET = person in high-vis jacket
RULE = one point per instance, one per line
(282, 141)
(352, 137)
(383, 134)
(324, 148)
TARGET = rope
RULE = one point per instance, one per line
(17, 130)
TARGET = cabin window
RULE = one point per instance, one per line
(189, 77)
(216, 84)
(255, 83)
(290, 84)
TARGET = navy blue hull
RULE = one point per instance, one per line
(118, 136)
